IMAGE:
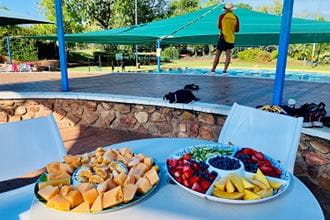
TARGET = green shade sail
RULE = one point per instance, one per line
(13, 18)
(200, 27)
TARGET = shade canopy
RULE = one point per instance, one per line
(13, 18)
(200, 27)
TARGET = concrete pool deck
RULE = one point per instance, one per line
(214, 89)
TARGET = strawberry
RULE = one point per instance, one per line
(187, 156)
(254, 158)
(186, 183)
(178, 173)
(179, 167)
(188, 173)
(205, 184)
(193, 180)
(179, 179)
(248, 151)
(172, 163)
(259, 155)
(185, 168)
(266, 169)
(196, 167)
(197, 187)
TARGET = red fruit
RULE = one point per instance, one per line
(264, 163)
(193, 180)
(179, 167)
(196, 167)
(266, 169)
(212, 177)
(180, 162)
(186, 168)
(205, 184)
(187, 156)
(188, 173)
(179, 179)
(172, 171)
(178, 173)
(172, 163)
(277, 171)
(254, 158)
(197, 187)
(187, 183)
(248, 151)
(259, 155)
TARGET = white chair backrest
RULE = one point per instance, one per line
(29, 145)
(274, 134)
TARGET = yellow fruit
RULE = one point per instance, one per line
(229, 186)
(90, 195)
(246, 183)
(129, 191)
(256, 189)
(113, 197)
(265, 193)
(221, 184)
(251, 195)
(98, 204)
(74, 198)
(274, 185)
(58, 202)
(227, 195)
(152, 176)
(49, 192)
(82, 208)
(120, 179)
(261, 177)
(237, 183)
(143, 185)
(258, 183)
(55, 182)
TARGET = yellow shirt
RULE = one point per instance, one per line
(228, 25)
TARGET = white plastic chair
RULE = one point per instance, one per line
(274, 134)
(26, 146)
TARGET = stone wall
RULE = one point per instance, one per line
(313, 158)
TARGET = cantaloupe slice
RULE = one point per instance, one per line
(143, 185)
(129, 180)
(129, 191)
(90, 195)
(143, 167)
(98, 204)
(113, 197)
(148, 161)
(120, 179)
(152, 176)
(48, 192)
(58, 202)
(57, 182)
(74, 197)
(82, 208)
(83, 187)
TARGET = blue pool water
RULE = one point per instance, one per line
(268, 74)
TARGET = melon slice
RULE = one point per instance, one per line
(143, 185)
(58, 202)
(152, 176)
(74, 197)
(98, 204)
(56, 182)
(119, 179)
(90, 195)
(82, 208)
(129, 191)
(113, 197)
(48, 192)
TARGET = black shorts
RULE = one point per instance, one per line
(223, 45)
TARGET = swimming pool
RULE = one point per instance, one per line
(259, 73)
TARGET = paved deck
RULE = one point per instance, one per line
(214, 89)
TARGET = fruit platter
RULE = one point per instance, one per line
(96, 182)
(228, 174)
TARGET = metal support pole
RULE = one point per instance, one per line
(158, 53)
(136, 46)
(282, 51)
(61, 47)
(8, 50)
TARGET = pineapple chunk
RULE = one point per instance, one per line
(237, 183)
(251, 195)
(274, 185)
(261, 177)
(229, 186)
(227, 195)
(265, 193)
(221, 184)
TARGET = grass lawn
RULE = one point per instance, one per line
(206, 62)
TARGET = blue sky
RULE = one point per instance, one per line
(30, 7)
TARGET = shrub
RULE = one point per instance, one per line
(171, 53)
(255, 55)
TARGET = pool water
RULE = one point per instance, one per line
(268, 74)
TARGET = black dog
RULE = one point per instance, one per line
(180, 96)
(191, 87)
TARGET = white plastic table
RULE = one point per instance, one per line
(171, 202)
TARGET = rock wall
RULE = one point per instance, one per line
(313, 157)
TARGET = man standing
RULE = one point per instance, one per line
(228, 24)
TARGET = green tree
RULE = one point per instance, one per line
(244, 5)
(275, 8)
(212, 2)
(179, 7)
